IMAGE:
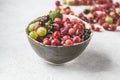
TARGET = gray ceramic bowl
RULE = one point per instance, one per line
(59, 54)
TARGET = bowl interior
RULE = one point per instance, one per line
(65, 16)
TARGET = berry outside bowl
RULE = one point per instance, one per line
(59, 54)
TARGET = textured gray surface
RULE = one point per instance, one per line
(100, 60)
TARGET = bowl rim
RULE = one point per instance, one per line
(37, 42)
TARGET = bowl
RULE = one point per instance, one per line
(59, 54)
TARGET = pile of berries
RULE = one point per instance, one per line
(86, 2)
(105, 13)
(58, 31)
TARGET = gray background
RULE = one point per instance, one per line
(100, 60)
